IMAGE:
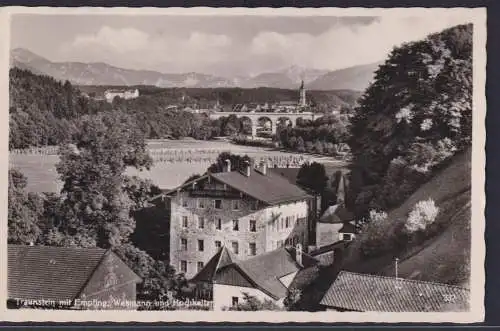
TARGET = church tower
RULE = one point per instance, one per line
(302, 92)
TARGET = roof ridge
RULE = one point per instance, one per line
(405, 279)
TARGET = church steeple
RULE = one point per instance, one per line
(302, 92)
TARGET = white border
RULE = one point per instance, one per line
(477, 16)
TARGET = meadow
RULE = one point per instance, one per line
(174, 161)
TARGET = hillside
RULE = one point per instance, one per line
(98, 73)
(355, 78)
(445, 256)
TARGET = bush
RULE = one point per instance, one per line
(375, 240)
(422, 215)
(251, 303)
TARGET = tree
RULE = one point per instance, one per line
(313, 176)
(238, 162)
(421, 95)
(24, 211)
(96, 206)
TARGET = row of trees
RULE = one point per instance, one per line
(321, 136)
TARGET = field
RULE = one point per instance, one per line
(174, 161)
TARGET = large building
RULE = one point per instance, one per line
(110, 95)
(251, 211)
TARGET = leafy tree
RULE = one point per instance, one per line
(156, 276)
(96, 206)
(238, 162)
(24, 211)
(416, 114)
(313, 176)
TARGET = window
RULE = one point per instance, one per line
(252, 249)
(201, 203)
(218, 204)
(347, 236)
(201, 245)
(287, 222)
(282, 223)
(184, 221)
(235, 247)
(236, 225)
(236, 205)
(184, 244)
(218, 224)
(201, 222)
(199, 266)
(184, 266)
(218, 244)
(253, 226)
(234, 301)
(254, 205)
(280, 243)
(184, 203)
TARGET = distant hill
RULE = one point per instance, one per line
(98, 73)
(444, 257)
(354, 78)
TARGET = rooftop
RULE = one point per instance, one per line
(52, 273)
(263, 271)
(364, 292)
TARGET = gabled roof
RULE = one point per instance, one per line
(51, 273)
(363, 292)
(263, 271)
(336, 214)
(221, 259)
(270, 188)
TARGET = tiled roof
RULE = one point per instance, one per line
(289, 173)
(270, 188)
(51, 273)
(336, 214)
(363, 292)
(266, 269)
(221, 259)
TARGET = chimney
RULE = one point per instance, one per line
(298, 254)
(247, 168)
(263, 167)
(228, 165)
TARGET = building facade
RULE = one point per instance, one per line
(109, 95)
(250, 212)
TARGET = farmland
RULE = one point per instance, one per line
(174, 161)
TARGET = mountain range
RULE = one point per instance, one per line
(354, 78)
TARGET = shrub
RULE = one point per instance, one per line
(376, 240)
(422, 215)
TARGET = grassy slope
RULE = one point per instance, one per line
(445, 256)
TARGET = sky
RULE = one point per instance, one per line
(222, 45)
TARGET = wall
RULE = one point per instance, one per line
(266, 237)
(223, 295)
(209, 234)
(327, 233)
(112, 283)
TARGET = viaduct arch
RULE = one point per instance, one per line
(273, 117)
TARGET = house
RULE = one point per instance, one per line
(268, 276)
(369, 293)
(109, 95)
(333, 224)
(69, 277)
(252, 211)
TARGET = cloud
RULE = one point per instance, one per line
(343, 46)
(129, 46)
(192, 48)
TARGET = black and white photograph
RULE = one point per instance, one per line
(244, 164)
